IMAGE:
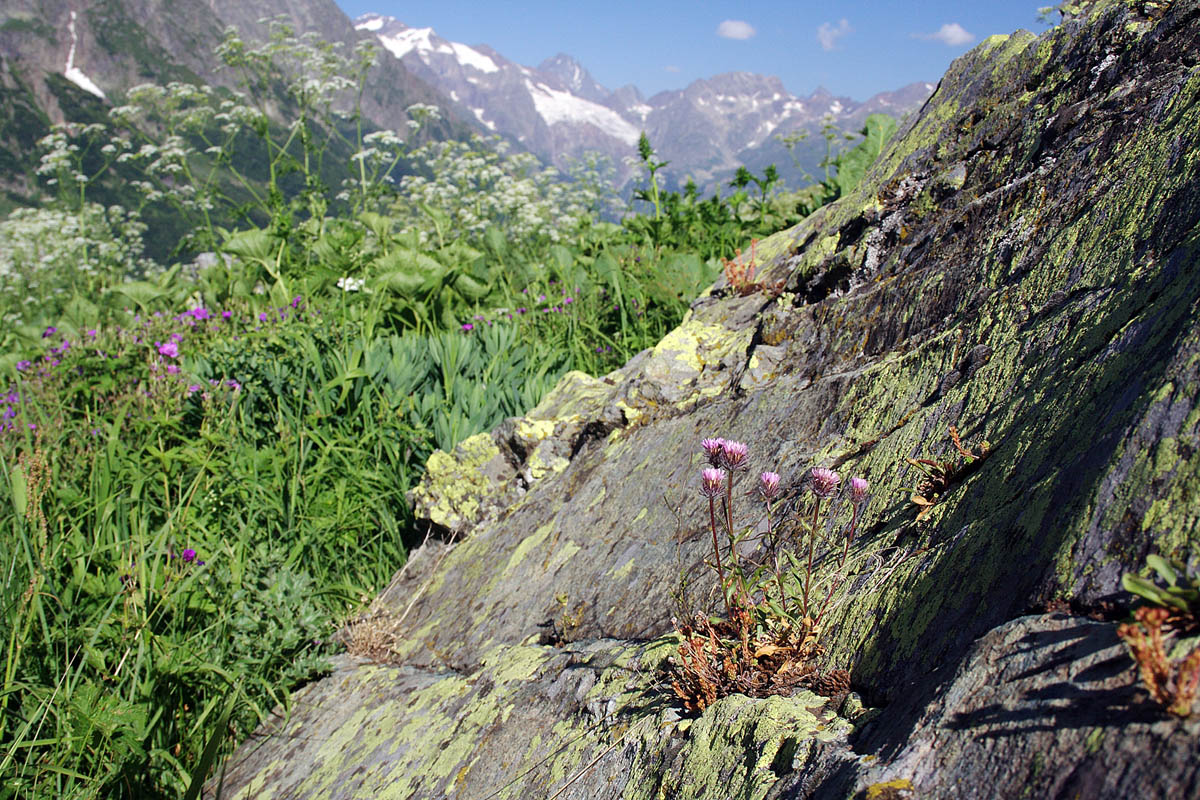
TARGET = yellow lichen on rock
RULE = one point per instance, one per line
(455, 484)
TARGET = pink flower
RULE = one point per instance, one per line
(712, 450)
(170, 350)
(711, 482)
(824, 482)
(858, 490)
(770, 485)
(734, 455)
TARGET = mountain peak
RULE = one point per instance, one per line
(571, 75)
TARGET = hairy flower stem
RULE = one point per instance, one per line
(775, 557)
(812, 541)
(845, 553)
(729, 521)
(712, 519)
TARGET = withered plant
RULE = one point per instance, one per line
(768, 643)
(941, 475)
(1173, 612)
(739, 275)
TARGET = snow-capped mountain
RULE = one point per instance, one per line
(558, 111)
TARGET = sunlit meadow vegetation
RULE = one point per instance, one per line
(203, 464)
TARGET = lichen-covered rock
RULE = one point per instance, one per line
(1023, 262)
(1043, 706)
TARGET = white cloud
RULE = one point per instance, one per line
(828, 33)
(735, 29)
(951, 34)
(671, 68)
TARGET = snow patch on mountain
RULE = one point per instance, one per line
(419, 39)
(73, 73)
(479, 116)
(556, 106)
(471, 57)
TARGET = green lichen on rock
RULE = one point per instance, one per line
(456, 487)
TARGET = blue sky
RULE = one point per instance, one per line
(853, 48)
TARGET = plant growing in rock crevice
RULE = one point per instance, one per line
(768, 642)
(1173, 612)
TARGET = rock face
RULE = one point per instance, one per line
(1023, 262)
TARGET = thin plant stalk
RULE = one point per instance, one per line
(712, 519)
(841, 564)
(812, 541)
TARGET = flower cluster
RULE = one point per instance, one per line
(726, 458)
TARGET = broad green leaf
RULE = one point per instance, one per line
(140, 292)
(470, 288)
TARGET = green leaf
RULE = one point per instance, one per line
(1151, 592)
(1163, 568)
(470, 288)
(20, 491)
(140, 292)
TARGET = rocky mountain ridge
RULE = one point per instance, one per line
(559, 112)
(1021, 263)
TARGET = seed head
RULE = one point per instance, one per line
(712, 481)
(735, 456)
(824, 482)
(712, 450)
(770, 485)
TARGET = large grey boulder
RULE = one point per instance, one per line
(1022, 263)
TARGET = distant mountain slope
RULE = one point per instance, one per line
(559, 111)
(55, 61)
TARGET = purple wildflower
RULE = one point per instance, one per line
(170, 350)
(770, 485)
(712, 482)
(226, 315)
(49, 332)
(192, 389)
(824, 482)
(468, 326)
(296, 301)
(858, 490)
(93, 333)
(200, 313)
(734, 455)
(262, 316)
(23, 365)
(712, 447)
(189, 555)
